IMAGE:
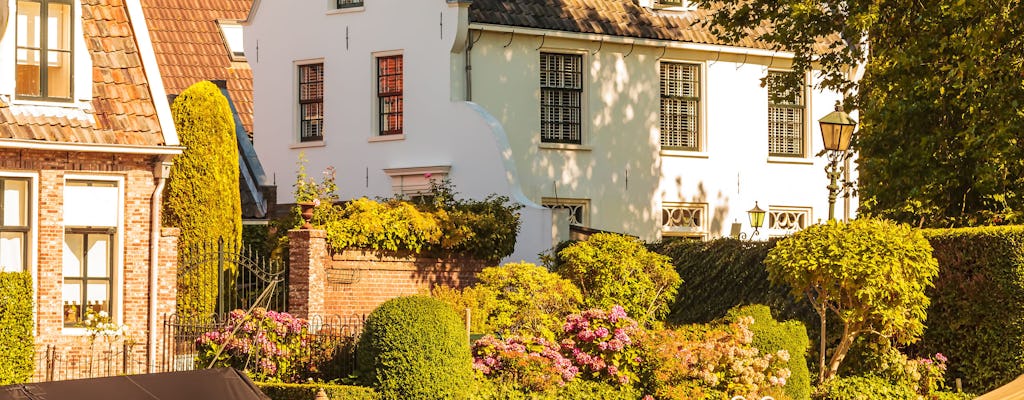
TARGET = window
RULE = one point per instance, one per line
(90, 223)
(348, 3)
(389, 95)
(416, 181)
(785, 118)
(788, 219)
(680, 106)
(311, 102)
(561, 97)
(576, 208)
(232, 34)
(684, 219)
(14, 224)
(44, 45)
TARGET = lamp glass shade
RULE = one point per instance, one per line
(837, 130)
(756, 215)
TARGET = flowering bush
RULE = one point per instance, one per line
(714, 362)
(100, 325)
(532, 363)
(602, 343)
(269, 346)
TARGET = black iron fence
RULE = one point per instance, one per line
(93, 361)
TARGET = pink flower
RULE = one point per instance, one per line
(940, 357)
(601, 332)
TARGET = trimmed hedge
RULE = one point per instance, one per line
(864, 388)
(725, 273)
(578, 389)
(201, 197)
(771, 336)
(296, 391)
(415, 348)
(976, 318)
(17, 351)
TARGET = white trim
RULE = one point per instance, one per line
(336, 11)
(306, 145)
(32, 256)
(564, 146)
(386, 138)
(117, 270)
(156, 81)
(790, 160)
(672, 44)
(683, 153)
(90, 147)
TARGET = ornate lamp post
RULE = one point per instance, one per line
(836, 131)
(756, 215)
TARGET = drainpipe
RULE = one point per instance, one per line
(160, 172)
(469, 66)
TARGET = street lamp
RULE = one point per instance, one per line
(836, 132)
(756, 215)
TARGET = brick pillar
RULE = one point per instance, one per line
(307, 262)
(168, 279)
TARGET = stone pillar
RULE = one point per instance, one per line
(307, 262)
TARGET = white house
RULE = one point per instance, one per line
(622, 116)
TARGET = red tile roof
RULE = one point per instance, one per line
(624, 18)
(123, 109)
(189, 47)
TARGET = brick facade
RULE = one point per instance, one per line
(354, 282)
(131, 260)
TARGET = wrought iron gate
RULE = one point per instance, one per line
(224, 276)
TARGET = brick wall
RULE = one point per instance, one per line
(354, 282)
(131, 260)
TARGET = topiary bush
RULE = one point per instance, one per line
(297, 391)
(415, 348)
(976, 317)
(612, 269)
(201, 197)
(17, 354)
(771, 336)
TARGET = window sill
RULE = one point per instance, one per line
(304, 145)
(790, 160)
(386, 138)
(565, 146)
(346, 10)
(684, 153)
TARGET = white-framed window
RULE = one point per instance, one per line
(390, 94)
(561, 98)
(15, 223)
(786, 113)
(340, 4)
(44, 49)
(684, 219)
(311, 102)
(784, 220)
(231, 32)
(92, 214)
(680, 106)
(577, 209)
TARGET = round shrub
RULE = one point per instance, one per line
(415, 348)
(770, 336)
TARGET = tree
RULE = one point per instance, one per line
(612, 269)
(870, 273)
(201, 197)
(940, 100)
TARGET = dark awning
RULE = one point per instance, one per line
(221, 384)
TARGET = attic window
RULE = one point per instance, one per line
(416, 181)
(232, 34)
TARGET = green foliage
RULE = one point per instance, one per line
(201, 197)
(494, 389)
(770, 336)
(977, 313)
(871, 273)
(613, 269)
(722, 274)
(295, 391)
(415, 348)
(483, 229)
(17, 354)
(864, 388)
(390, 226)
(527, 299)
(480, 302)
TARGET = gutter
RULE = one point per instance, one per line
(161, 171)
(90, 147)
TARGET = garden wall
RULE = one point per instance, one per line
(354, 282)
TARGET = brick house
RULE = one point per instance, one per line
(84, 152)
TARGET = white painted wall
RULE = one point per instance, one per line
(438, 131)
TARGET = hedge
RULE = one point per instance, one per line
(771, 336)
(202, 196)
(17, 354)
(578, 389)
(296, 391)
(976, 318)
(721, 274)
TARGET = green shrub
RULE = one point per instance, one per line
(864, 388)
(770, 336)
(528, 299)
(488, 389)
(415, 348)
(202, 196)
(390, 226)
(977, 313)
(295, 391)
(17, 354)
(612, 269)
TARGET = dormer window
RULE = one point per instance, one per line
(44, 50)
(231, 31)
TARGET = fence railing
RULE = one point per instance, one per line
(98, 360)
